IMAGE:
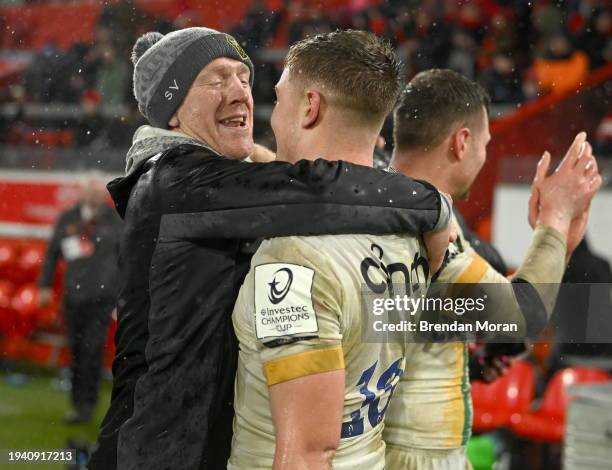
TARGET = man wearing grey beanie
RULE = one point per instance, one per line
(192, 210)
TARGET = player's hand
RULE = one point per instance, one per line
(579, 224)
(262, 154)
(44, 297)
(557, 199)
(534, 197)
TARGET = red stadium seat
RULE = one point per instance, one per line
(25, 303)
(8, 258)
(30, 262)
(6, 290)
(8, 316)
(25, 300)
(497, 402)
(547, 424)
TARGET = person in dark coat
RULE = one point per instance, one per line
(86, 237)
(583, 308)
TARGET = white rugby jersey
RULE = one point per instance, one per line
(432, 406)
(299, 312)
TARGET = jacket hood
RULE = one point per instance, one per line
(149, 141)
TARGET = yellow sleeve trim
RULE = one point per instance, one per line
(474, 272)
(303, 364)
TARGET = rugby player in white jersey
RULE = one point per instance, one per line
(309, 393)
(441, 131)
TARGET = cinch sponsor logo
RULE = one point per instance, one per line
(413, 275)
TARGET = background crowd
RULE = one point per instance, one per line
(519, 50)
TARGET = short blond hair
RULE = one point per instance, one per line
(359, 68)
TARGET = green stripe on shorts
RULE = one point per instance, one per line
(467, 397)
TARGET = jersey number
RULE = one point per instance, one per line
(386, 384)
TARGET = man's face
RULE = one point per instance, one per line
(475, 157)
(284, 120)
(93, 191)
(218, 109)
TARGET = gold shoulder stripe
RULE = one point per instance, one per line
(474, 272)
(303, 364)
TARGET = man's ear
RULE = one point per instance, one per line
(173, 122)
(312, 110)
(459, 142)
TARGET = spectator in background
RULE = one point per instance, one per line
(435, 42)
(596, 37)
(495, 42)
(306, 21)
(112, 78)
(561, 68)
(462, 58)
(14, 128)
(85, 237)
(38, 79)
(90, 125)
(256, 28)
(572, 332)
(120, 19)
(547, 19)
(502, 80)
(73, 72)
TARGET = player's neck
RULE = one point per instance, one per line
(423, 167)
(350, 148)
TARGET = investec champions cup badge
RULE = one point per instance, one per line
(283, 301)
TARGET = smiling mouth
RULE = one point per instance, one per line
(236, 122)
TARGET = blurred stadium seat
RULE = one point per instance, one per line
(547, 424)
(496, 403)
(30, 262)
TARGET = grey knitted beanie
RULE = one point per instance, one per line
(166, 66)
